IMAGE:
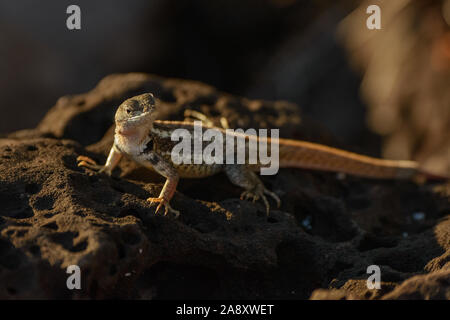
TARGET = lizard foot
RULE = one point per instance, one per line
(87, 162)
(165, 203)
(256, 195)
(192, 115)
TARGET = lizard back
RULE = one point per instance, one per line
(292, 153)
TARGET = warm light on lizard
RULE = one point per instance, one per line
(148, 142)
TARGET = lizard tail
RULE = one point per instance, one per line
(423, 175)
(307, 155)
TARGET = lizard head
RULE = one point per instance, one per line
(136, 110)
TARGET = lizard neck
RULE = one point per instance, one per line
(130, 137)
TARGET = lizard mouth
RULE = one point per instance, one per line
(138, 117)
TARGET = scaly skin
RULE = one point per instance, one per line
(148, 142)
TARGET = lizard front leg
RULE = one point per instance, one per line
(112, 161)
(243, 177)
(167, 170)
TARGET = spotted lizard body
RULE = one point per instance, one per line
(149, 142)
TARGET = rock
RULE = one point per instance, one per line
(435, 285)
(54, 214)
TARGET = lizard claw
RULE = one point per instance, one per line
(163, 202)
(256, 195)
(87, 162)
(274, 196)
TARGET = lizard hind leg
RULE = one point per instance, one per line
(254, 188)
(192, 115)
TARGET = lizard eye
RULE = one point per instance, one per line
(128, 111)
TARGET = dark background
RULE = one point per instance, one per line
(383, 92)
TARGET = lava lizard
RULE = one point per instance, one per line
(148, 142)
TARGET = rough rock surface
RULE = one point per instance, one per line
(318, 245)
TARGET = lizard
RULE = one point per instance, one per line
(148, 142)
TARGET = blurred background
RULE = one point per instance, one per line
(385, 92)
